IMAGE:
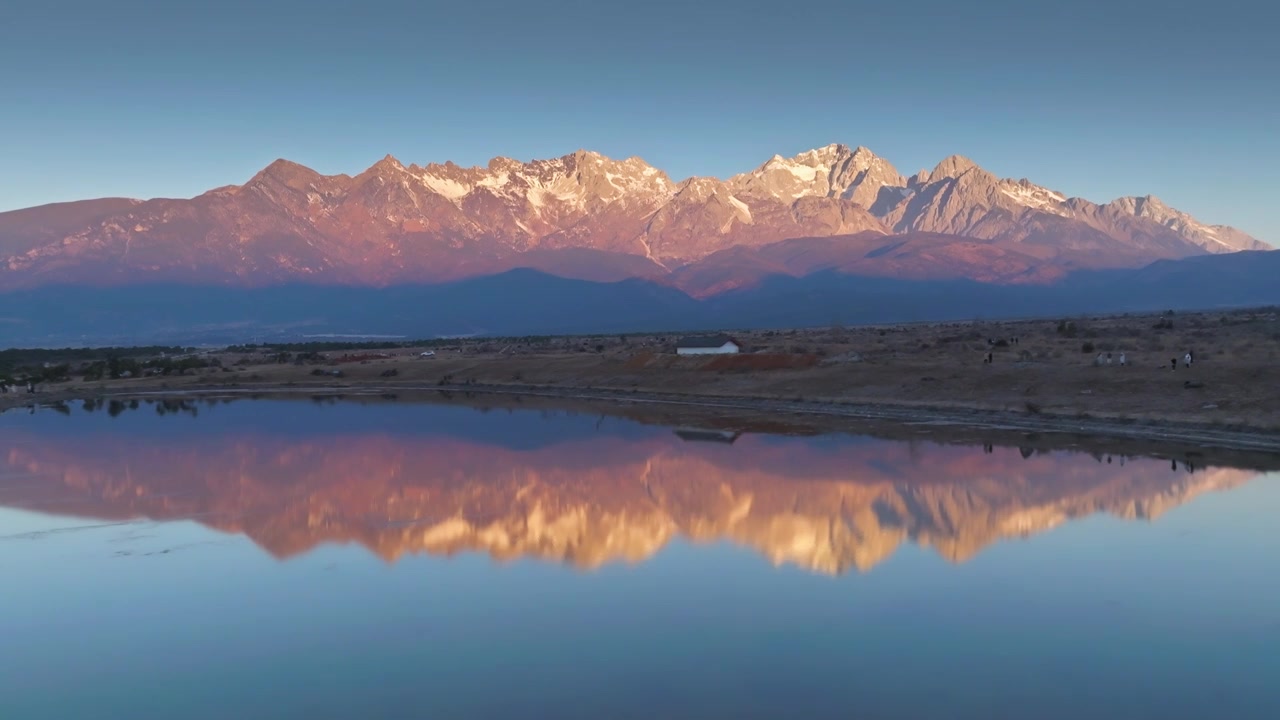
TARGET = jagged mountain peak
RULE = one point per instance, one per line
(1140, 204)
(388, 167)
(827, 157)
(824, 154)
(951, 167)
(286, 172)
(700, 187)
(832, 171)
(1212, 238)
(501, 163)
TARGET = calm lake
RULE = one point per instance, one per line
(298, 559)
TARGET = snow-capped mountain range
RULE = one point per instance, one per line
(586, 215)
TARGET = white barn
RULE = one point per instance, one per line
(708, 345)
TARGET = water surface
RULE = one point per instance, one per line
(289, 559)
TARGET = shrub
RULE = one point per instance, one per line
(1087, 348)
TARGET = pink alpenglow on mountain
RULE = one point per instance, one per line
(587, 216)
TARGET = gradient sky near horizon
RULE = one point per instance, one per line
(1097, 99)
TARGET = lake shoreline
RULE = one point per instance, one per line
(818, 414)
(1119, 377)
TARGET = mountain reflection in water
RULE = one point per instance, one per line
(559, 486)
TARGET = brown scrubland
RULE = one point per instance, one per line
(1045, 369)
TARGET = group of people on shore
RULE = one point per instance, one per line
(1106, 358)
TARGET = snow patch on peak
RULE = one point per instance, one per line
(449, 188)
(803, 173)
(1035, 197)
(497, 180)
(538, 198)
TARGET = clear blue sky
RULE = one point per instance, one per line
(142, 99)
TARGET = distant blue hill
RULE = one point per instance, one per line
(528, 302)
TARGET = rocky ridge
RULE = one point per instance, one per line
(394, 223)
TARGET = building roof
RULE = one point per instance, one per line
(705, 341)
